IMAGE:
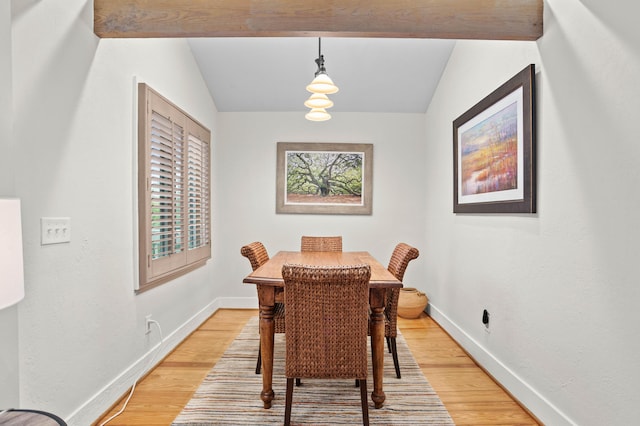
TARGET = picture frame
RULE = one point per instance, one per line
(324, 178)
(494, 161)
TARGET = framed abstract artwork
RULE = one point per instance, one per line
(324, 178)
(494, 151)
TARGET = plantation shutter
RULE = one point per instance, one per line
(198, 190)
(174, 205)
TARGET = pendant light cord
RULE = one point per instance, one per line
(320, 60)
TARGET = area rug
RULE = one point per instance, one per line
(230, 394)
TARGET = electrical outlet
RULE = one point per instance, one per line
(147, 322)
(485, 320)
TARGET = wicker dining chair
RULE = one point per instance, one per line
(327, 322)
(258, 256)
(400, 258)
(309, 243)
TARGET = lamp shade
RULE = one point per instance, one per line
(11, 265)
(318, 100)
(318, 114)
(322, 84)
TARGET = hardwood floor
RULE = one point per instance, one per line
(469, 394)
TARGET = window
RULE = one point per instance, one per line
(173, 190)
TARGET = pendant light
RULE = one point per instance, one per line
(318, 114)
(318, 100)
(320, 87)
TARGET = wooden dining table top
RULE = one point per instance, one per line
(271, 272)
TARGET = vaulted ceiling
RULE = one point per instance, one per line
(258, 55)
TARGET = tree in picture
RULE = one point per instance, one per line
(324, 177)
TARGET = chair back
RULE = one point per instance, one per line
(256, 253)
(309, 243)
(400, 258)
(402, 255)
(326, 321)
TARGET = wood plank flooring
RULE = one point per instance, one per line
(470, 395)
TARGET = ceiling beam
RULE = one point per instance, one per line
(448, 19)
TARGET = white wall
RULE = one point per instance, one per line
(81, 327)
(246, 172)
(561, 285)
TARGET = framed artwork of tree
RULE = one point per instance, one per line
(324, 178)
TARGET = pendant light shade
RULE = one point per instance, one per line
(318, 114)
(322, 84)
(318, 100)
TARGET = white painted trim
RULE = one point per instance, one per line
(544, 410)
(240, 302)
(95, 406)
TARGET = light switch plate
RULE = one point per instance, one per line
(55, 230)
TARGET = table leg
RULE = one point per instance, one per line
(266, 297)
(376, 301)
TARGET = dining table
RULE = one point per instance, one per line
(270, 284)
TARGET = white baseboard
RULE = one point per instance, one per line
(521, 390)
(95, 406)
(239, 302)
